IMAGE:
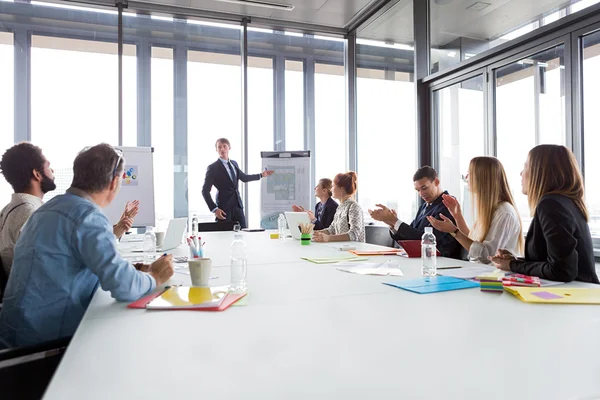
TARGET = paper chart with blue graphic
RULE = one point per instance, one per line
(130, 175)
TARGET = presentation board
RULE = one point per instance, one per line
(290, 184)
(137, 184)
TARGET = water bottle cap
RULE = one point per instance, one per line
(429, 229)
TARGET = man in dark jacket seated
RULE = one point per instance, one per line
(427, 183)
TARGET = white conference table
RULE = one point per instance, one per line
(309, 331)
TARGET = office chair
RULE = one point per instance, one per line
(3, 281)
(380, 235)
(216, 226)
(25, 372)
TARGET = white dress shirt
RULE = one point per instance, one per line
(503, 234)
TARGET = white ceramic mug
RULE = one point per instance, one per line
(200, 271)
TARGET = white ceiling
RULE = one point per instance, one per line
(332, 13)
(454, 20)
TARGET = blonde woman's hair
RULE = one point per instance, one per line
(326, 184)
(489, 188)
(553, 169)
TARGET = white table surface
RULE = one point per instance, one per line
(312, 332)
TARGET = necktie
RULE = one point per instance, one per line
(231, 171)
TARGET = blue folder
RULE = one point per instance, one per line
(433, 285)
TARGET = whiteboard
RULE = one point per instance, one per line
(137, 184)
(290, 184)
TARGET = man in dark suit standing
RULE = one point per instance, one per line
(225, 174)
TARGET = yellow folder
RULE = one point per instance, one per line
(556, 295)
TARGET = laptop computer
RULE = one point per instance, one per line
(173, 236)
(294, 219)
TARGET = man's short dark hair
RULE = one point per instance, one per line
(222, 140)
(18, 164)
(94, 168)
(425, 172)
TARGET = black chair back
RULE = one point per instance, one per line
(216, 226)
(25, 372)
(377, 234)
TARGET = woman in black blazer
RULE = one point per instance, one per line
(559, 244)
(325, 209)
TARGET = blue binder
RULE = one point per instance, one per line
(433, 285)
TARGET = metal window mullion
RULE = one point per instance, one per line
(423, 101)
(244, 53)
(309, 119)
(574, 74)
(351, 111)
(120, 68)
(537, 89)
(180, 132)
(22, 85)
(144, 92)
(279, 103)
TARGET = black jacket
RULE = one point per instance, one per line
(325, 217)
(228, 195)
(446, 244)
(559, 243)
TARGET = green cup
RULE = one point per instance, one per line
(305, 239)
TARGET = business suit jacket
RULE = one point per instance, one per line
(228, 195)
(559, 244)
(445, 243)
(325, 213)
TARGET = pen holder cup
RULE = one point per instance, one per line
(305, 239)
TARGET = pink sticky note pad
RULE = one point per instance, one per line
(546, 295)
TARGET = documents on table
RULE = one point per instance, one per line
(555, 295)
(331, 260)
(433, 284)
(469, 272)
(371, 268)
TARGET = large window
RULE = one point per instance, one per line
(214, 111)
(162, 132)
(330, 121)
(386, 127)
(260, 127)
(460, 130)
(530, 110)
(460, 31)
(294, 105)
(68, 109)
(6, 105)
(591, 99)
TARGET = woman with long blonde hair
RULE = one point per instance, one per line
(498, 225)
(559, 243)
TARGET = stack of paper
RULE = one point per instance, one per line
(331, 260)
(371, 268)
(491, 282)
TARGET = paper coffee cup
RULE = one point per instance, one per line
(200, 271)
(160, 238)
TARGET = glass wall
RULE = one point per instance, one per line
(330, 121)
(460, 132)
(260, 127)
(294, 105)
(214, 111)
(161, 91)
(591, 126)
(385, 108)
(460, 31)
(6, 105)
(68, 109)
(530, 110)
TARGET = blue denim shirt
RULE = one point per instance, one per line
(66, 249)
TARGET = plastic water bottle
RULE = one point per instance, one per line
(428, 253)
(281, 225)
(239, 267)
(194, 225)
(149, 245)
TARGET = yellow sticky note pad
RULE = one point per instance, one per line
(274, 236)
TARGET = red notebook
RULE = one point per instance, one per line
(413, 247)
(230, 299)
